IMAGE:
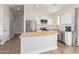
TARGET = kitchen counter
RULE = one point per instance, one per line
(38, 42)
(30, 34)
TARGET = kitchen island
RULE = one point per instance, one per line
(38, 42)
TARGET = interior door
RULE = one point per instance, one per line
(5, 24)
(6, 29)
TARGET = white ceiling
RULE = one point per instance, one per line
(17, 9)
(50, 8)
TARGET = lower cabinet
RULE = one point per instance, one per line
(68, 38)
(61, 37)
(65, 37)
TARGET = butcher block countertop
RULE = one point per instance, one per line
(31, 34)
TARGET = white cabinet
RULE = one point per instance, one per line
(38, 44)
(47, 25)
(38, 20)
(68, 38)
(66, 18)
(50, 21)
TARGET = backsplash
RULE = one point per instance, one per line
(49, 27)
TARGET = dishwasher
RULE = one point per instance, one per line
(61, 37)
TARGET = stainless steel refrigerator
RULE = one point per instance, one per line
(30, 25)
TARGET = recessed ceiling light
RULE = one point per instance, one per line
(37, 6)
(53, 4)
(18, 9)
(48, 9)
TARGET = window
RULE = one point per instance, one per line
(59, 20)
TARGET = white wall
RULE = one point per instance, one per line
(6, 29)
(19, 28)
(1, 20)
(5, 23)
(4, 15)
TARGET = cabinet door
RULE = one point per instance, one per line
(68, 38)
(38, 20)
(66, 18)
(50, 21)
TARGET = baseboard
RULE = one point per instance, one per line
(3, 42)
(18, 33)
(41, 50)
(61, 41)
(11, 36)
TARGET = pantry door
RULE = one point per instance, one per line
(6, 24)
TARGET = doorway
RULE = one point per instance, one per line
(18, 11)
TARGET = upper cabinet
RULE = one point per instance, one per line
(66, 19)
(49, 21)
(38, 20)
